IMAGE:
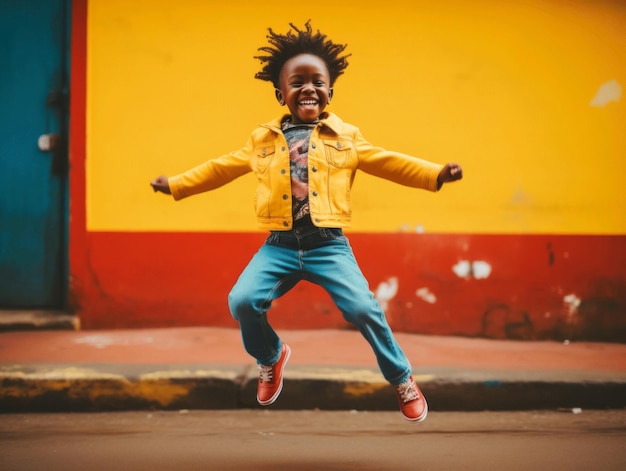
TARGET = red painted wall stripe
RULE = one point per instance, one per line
(77, 147)
(539, 286)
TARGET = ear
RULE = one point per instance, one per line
(279, 97)
(330, 94)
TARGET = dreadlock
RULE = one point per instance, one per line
(285, 46)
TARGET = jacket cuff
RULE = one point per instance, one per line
(176, 188)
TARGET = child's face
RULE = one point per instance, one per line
(305, 87)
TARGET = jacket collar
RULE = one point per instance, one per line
(330, 120)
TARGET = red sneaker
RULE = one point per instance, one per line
(271, 379)
(412, 403)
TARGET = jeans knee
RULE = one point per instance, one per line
(236, 305)
(362, 312)
(243, 306)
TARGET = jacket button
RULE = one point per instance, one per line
(339, 145)
(285, 223)
(314, 169)
(285, 197)
(283, 171)
(313, 146)
(282, 148)
(315, 193)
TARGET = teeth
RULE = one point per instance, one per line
(308, 102)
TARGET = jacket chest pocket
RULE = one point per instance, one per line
(263, 155)
(339, 153)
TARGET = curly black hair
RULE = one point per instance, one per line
(285, 46)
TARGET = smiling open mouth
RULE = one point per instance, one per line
(308, 102)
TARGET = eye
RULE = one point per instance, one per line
(319, 83)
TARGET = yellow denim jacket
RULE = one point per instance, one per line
(336, 151)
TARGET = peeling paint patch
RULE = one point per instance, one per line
(572, 302)
(481, 269)
(462, 269)
(386, 291)
(426, 295)
(478, 269)
(419, 229)
(608, 92)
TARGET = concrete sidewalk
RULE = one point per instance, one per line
(207, 368)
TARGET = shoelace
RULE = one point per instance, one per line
(407, 391)
(266, 373)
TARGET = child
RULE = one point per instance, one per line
(305, 162)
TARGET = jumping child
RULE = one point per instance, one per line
(305, 162)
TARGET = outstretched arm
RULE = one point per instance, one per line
(161, 184)
(449, 173)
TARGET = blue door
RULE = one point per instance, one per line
(34, 51)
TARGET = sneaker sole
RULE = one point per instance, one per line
(420, 418)
(272, 399)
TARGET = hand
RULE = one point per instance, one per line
(161, 184)
(450, 173)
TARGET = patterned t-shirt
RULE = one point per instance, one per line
(298, 137)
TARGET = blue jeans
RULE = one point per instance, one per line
(324, 257)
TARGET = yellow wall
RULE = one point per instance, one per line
(506, 88)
